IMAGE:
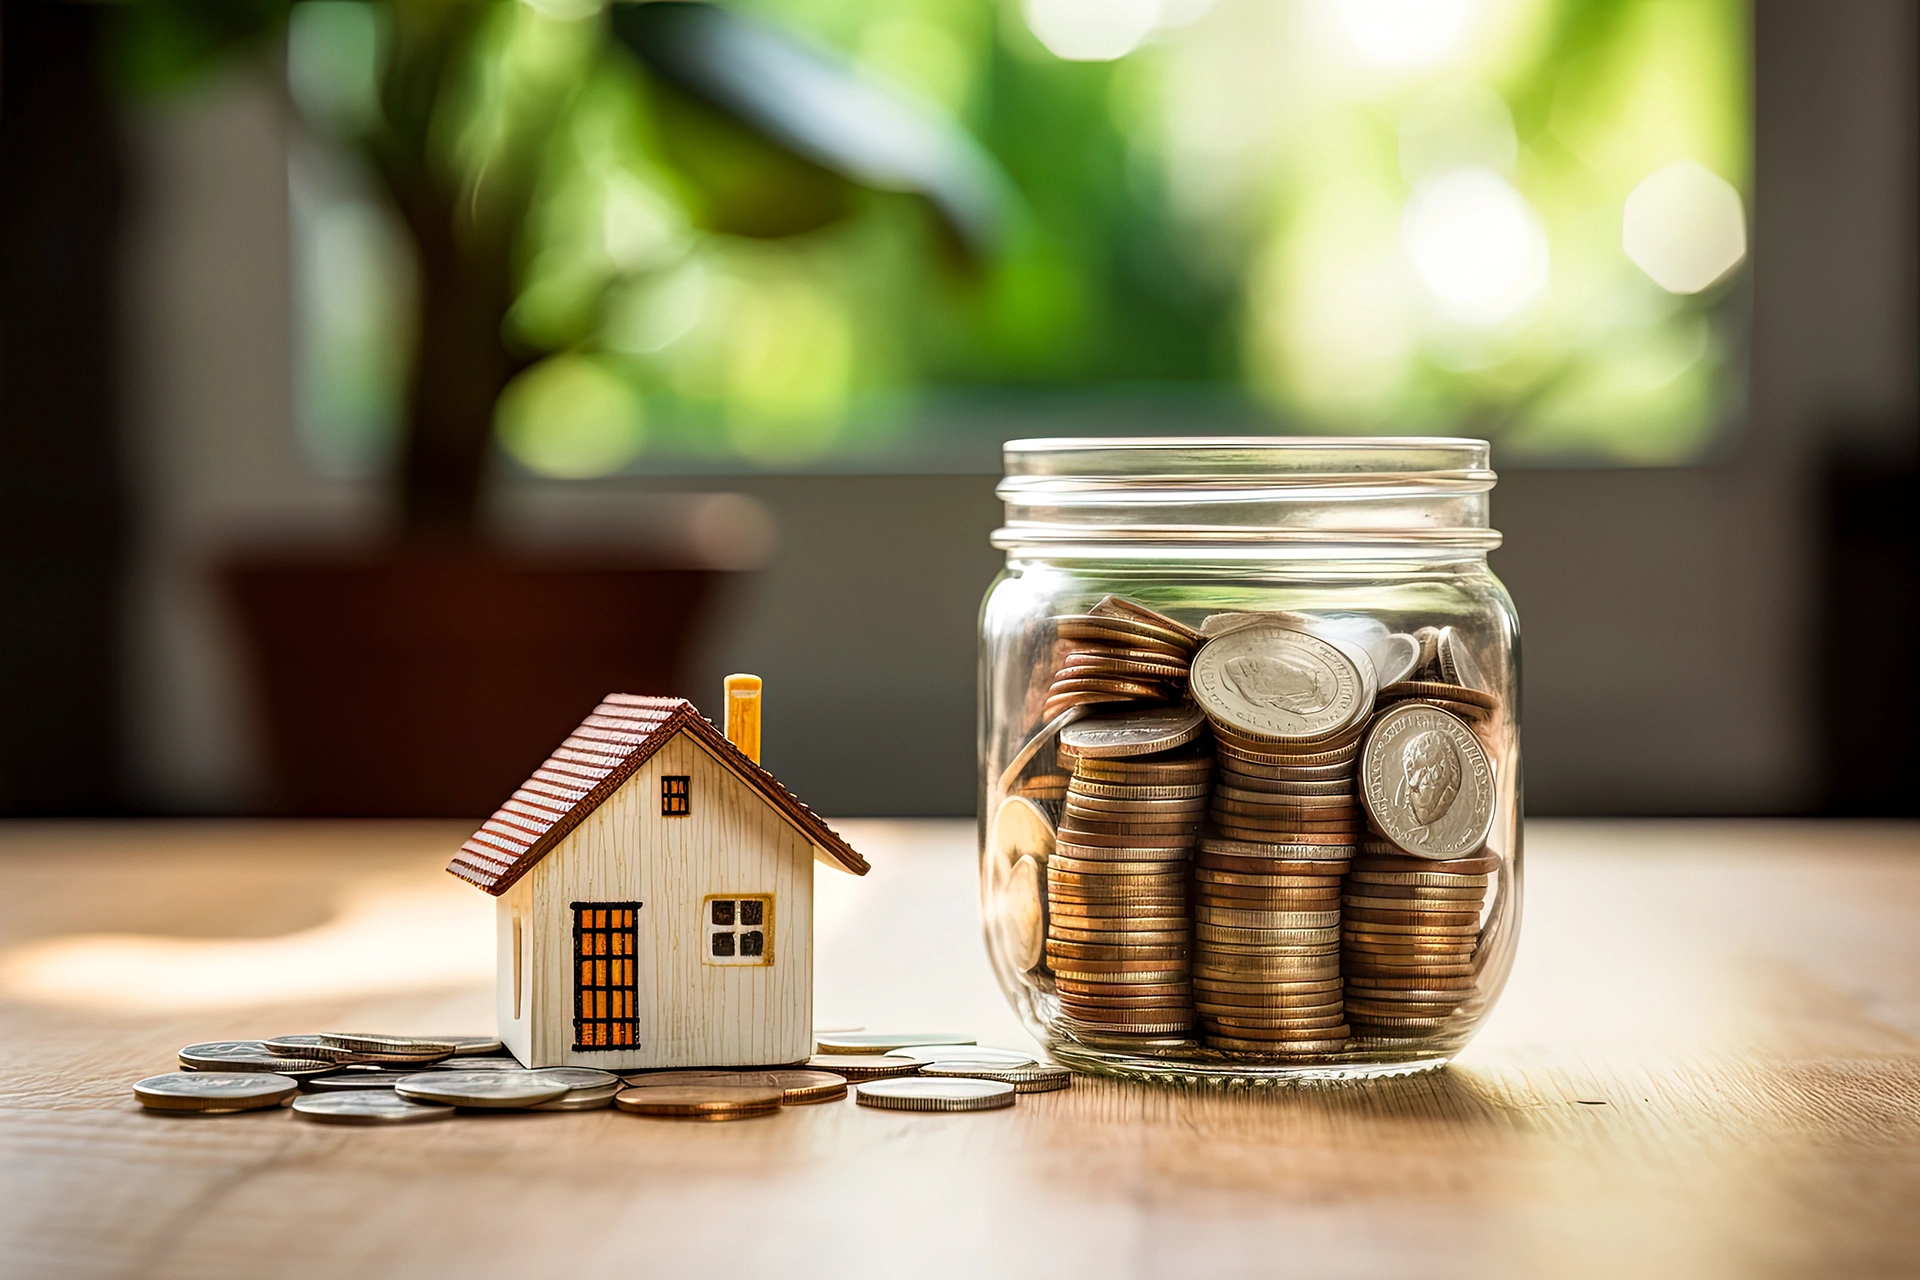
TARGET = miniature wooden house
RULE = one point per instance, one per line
(655, 895)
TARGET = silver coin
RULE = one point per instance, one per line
(1032, 1078)
(1394, 658)
(472, 1046)
(250, 1055)
(1456, 662)
(1275, 683)
(878, 1042)
(1018, 914)
(482, 1088)
(1136, 733)
(1020, 828)
(369, 1043)
(314, 1048)
(920, 1093)
(366, 1108)
(970, 1052)
(1047, 733)
(582, 1099)
(214, 1091)
(350, 1080)
(1426, 782)
(486, 1063)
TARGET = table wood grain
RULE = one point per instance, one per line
(1707, 1064)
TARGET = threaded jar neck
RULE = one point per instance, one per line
(1155, 497)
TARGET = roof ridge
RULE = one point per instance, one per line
(594, 761)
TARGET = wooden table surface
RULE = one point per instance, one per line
(1707, 1065)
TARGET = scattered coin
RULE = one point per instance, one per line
(214, 1092)
(864, 1066)
(922, 1093)
(702, 1102)
(488, 1089)
(798, 1085)
(368, 1047)
(581, 1099)
(354, 1078)
(366, 1108)
(971, 1052)
(250, 1055)
(1031, 1078)
(880, 1042)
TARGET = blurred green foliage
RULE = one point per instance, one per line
(1365, 215)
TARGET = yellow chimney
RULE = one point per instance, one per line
(743, 714)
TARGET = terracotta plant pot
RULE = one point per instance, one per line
(431, 682)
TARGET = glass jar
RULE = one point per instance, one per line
(1249, 748)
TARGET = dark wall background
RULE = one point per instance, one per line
(1685, 628)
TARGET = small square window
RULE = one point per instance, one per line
(739, 929)
(676, 796)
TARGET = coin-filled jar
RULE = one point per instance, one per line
(1250, 760)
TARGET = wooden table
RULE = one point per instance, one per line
(1707, 1065)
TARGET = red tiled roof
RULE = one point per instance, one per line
(622, 734)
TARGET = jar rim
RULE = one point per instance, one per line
(1429, 492)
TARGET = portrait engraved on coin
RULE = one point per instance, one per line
(1427, 782)
(1274, 682)
(1430, 778)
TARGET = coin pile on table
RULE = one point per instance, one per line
(1118, 938)
(1288, 709)
(1118, 652)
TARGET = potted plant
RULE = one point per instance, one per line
(429, 674)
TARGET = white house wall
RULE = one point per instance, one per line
(690, 1013)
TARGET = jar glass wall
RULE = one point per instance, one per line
(1249, 749)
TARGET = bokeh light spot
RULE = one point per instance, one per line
(1685, 226)
(1404, 33)
(1091, 30)
(1476, 244)
(572, 417)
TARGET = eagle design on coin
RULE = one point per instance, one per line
(1431, 765)
(1279, 682)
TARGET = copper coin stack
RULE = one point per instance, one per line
(1410, 928)
(1118, 935)
(1119, 652)
(1285, 822)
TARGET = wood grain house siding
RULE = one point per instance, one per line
(691, 1013)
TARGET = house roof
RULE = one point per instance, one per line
(610, 746)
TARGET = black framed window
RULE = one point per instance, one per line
(606, 978)
(739, 929)
(676, 796)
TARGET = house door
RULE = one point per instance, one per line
(606, 1011)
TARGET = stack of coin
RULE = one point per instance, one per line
(1118, 940)
(1411, 929)
(1411, 911)
(1120, 651)
(1288, 710)
(1266, 964)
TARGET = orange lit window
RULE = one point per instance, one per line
(605, 981)
(676, 800)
